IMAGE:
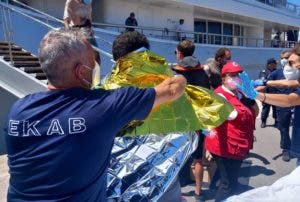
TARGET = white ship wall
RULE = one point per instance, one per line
(148, 15)
(53, 7)
(246, 8)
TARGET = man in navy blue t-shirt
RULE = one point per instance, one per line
(283, 114)
(59, 141)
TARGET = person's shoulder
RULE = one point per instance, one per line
(21, 103)
(219, 89)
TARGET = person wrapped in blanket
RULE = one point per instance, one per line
(190, 67)
(230, 143)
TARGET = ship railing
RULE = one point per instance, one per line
(283, 5)
(200, 37)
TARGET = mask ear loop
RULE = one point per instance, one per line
(89, 84)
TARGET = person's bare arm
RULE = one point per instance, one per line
(280, 100)
(66, 22)
(283, 83)
(169, 90)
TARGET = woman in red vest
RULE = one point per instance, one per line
(230, 143)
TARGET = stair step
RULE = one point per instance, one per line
(15, 54)
(26, 63)
(9, 48)
(40, 76)
(6, 43)
(32, 69)
(21, 57)
(3, 52)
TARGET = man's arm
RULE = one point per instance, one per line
(169, 90)
(283, 83)
(281, 100)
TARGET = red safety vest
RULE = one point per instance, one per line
(234, 138)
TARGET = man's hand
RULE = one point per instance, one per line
(169, 90)
(247, 86)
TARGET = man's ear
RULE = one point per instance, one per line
(79, 72)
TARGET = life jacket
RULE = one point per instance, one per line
(234, 138)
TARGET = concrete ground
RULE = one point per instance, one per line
(263, 166)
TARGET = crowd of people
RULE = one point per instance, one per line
(59, 141)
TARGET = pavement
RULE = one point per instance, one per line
(263, 166)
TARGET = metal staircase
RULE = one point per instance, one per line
(22, 59)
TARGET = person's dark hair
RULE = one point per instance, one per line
(221, 53)
(128, 42)
(271, 61)
(296, 49)
(186, 47)
(132, 14)
(181, 21)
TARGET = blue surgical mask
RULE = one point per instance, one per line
(87, 2)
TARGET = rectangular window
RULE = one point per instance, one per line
(214, 30)
(200, 26)
(227, 32)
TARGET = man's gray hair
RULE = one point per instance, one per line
(60, 51)
(211, 63)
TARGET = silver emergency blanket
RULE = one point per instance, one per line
(143, 168)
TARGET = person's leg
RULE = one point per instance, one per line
(298, 162)
(295, 142)
(224, 187)
(213, 182)
(198, 172)
(198, 167)
(284, 118)
(233, 168)
(264, 114)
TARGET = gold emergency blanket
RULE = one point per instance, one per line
(198, 108)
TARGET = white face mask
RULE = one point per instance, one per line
(87, 2)
(95, 75)
(291, 73)
(284, 62)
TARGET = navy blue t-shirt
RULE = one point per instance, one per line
(59, 142)
(295, 141)
(278, 75)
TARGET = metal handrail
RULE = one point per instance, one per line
(285, 6)
(38, 11)
(203, 35)
(28, 16)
